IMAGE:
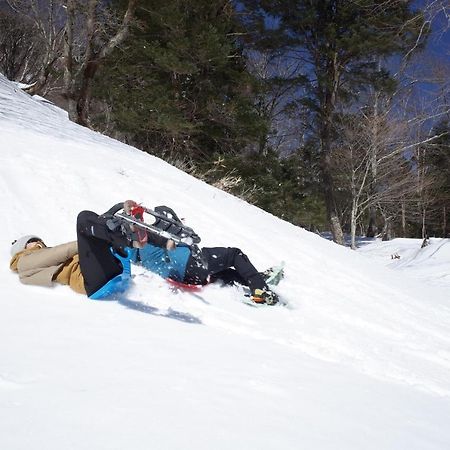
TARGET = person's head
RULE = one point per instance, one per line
(24, 242)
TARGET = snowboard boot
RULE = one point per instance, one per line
(264, 296)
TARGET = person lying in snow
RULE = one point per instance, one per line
(87, 264)
(228, 264)
(180, 263)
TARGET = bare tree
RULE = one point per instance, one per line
(78, 36)
(84, 56)
(425, 189)
(21, 52)
(47, 18)
(429, 110)
(375, 162)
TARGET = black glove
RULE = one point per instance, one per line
(136, 237)
(121, 232)
(114, 223)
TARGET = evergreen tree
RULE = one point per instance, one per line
(285, 187)
(438, 167)
(337, 44)
(180, 86)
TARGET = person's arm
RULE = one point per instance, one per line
(160, 241)
(152, 238)
(106, 228)
(48, 257)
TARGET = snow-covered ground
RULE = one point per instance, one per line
(430, 264)
(361, 360)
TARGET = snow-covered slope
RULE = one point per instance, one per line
(361, 360)
(430, 264)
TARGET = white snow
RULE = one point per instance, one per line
(361, 360)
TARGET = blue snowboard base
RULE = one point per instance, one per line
(117, 285)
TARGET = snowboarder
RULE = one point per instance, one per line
(87, 264)
(182, 261)
(228, 264)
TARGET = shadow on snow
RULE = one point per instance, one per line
(147, 309)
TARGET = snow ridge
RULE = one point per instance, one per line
(360, 361)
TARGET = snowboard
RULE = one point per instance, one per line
(272, 277)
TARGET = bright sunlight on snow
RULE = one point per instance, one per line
(359, 360)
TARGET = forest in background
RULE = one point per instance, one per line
(331, 114)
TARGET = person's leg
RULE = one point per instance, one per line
(222, 258)
(97, 263)
(228, 276)
(196, 273)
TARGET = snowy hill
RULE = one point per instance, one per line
(360, 361)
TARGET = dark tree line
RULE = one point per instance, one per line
(306, 108)
(179, 86)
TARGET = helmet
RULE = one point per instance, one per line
(19, 244)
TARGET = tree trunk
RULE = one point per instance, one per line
(353, 227)
(444, 222)
(375, 144)
(403, 219)
(84, 98)
(69, 82)
(330, 201)
(386, 233)
(424, 226)
(326, 165)
(372, 227)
